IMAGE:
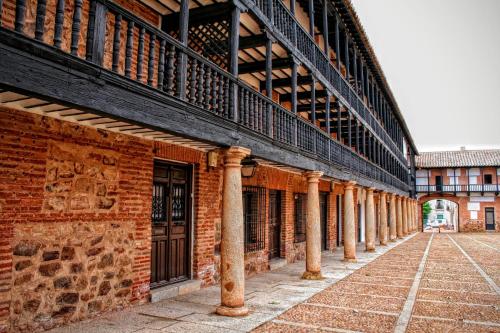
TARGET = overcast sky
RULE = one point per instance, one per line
(442, 61)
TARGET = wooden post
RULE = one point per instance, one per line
(234, 38)
(355, 59)
(313, 100)
(325, 29)
(346, 55)
(311, 18)
(294, 99)
(338, 106)
(349, 130)
(327, 114)
(41, 8)
(269, 80)
(96, 33)
(20, 15)
(337, 41)
(183, 38)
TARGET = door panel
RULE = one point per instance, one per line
(490, 218)
(323, 216)
(170, 224)
(274, 224)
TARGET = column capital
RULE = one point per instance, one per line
(349, 185)
(234, 155)
(313, 176)
(370, 190)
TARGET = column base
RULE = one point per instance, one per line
(312, 276)
(392, 240)
(370, 250)
(231, 312)
(383, 244)
(352, 260)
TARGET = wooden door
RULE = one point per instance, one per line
(490, 218)
(323, 216)
(274, 224)
(170, 224)
(439, 183)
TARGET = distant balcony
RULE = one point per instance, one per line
(482, 188)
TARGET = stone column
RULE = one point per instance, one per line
(408, 213)
(382, 233)
(412, 215)
(313, 228)
(404, 210)
(399, 220)
(232, 246)
(349, 224)
(392, 226)
(370, 221)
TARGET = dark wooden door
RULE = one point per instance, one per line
(170, 224)
(490, 218)
(274, 224)
(323, 216)
(439, 183)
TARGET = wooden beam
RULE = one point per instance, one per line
(287, 82)
(303, 95)
(260, 66)
(200, 15)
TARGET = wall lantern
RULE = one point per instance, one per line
(248, 167)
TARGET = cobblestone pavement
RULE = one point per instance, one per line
(267, 295)
(431, 283)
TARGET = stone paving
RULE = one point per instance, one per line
(431, 283)
(267, 295)
(424, 283)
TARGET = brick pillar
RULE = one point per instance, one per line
(313, 228)
(6, 230)
(382, 235)
(399, 220)
(349, 223)
(232, 248)
(370, 221)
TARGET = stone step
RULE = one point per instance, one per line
(174, 290)
(276, 263)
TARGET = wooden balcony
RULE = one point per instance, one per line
(142, 75)
(468, 188)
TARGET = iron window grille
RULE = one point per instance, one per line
(254, 203)
(300, 217)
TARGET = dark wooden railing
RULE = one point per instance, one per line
(458, 188)
(281, 17)
(143, 54)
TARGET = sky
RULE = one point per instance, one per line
(442, 61)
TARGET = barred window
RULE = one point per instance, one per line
(300, 217)
(254, 203)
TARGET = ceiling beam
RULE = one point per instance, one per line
(260, 66)
(206, 14)
(287, 82)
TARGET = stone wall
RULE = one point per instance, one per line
(73, 199)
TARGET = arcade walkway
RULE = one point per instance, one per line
(427, 283)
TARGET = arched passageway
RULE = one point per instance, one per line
(441, 215)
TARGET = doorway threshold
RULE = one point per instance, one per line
(174, 290)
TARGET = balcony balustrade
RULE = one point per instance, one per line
(291, 29)
(495, 188)
(169, 67)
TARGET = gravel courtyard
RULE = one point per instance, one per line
(431, 283)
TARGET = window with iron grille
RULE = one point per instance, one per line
(300, 217)
(254, 203)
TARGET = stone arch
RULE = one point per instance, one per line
(426, 198)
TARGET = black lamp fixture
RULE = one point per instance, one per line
(248, 167)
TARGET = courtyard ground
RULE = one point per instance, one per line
(424, 283)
